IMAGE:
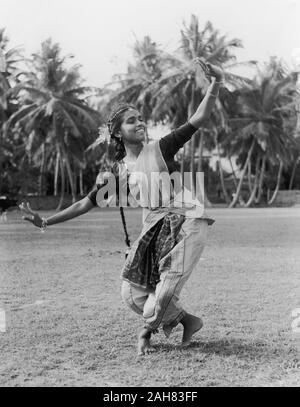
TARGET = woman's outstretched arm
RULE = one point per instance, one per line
(77, 209)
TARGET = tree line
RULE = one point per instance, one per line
(49, 118)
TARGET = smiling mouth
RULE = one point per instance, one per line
(140, 129)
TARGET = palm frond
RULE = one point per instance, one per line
(82, 90)
(14, 118)
(82, 114)
(67, 118)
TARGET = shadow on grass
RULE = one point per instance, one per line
(228, 347)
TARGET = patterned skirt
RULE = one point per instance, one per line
(149, 255)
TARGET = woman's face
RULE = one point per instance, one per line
(133, 128)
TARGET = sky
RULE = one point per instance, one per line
(100, 34)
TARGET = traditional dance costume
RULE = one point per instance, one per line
(171, 242)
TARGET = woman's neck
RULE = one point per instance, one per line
(133, 151)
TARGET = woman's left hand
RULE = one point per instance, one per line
(30, 215)
(211, 71)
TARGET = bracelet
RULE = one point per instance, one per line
(44, 225)
(214, 96)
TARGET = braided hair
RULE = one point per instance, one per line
(114, 125)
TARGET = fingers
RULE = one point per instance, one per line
(21, 206)
(29, 208)
(209, 67)
(25, 207)
(215, 71)
(28, 218)
(30, 215)
(204, 66)
(210, 71)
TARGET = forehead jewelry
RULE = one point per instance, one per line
(123, 109)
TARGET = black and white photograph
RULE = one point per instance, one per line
(149, 196)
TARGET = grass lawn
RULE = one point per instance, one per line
(67, 325)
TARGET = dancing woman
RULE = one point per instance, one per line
(172, 238)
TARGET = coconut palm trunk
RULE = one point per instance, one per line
(273, 197)
(221, 175)
(65, 157)
(255, 186)
(207, 202)
(70, 175)
(249, 178)
(233, 173)
(226, 197)
(192, 143)
(293, 173)
(239, 187)
(42, 171)
(193, 167)
(81, 182)
(63, 184)
(75, 178)
(261, 180)
(56, 171)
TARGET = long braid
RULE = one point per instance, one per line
(120, 151)
(114, 124)
(127, 240)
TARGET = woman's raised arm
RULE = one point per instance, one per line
(204, 109)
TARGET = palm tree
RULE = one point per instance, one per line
(9, 69)
(295, 165)
(180, 89)
(9, 72)
(219, 135)
(53, 112)
(135, 86)
(264, 114)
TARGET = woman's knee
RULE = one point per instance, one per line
(129, 298)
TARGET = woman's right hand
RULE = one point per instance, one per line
(30, 215)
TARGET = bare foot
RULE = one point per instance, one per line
(144, 346)
(191, 325)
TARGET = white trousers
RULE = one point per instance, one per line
(161, 306)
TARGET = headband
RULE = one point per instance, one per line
(121, 110)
